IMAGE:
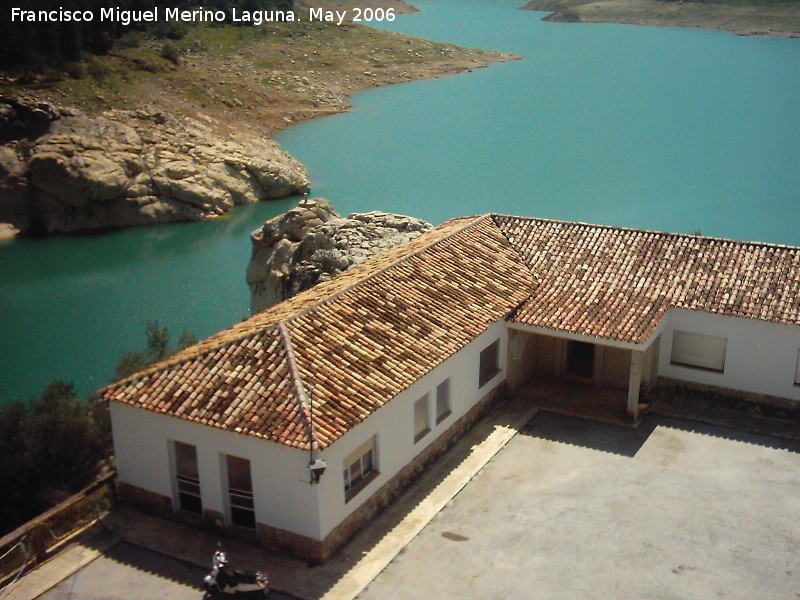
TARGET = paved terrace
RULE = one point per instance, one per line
(743, 488)
(574, 509)
(346, 574)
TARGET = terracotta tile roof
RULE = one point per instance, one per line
(358, 340)
(353, 342)
(616, 283)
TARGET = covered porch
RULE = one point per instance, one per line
(582, 376)
(576, 398)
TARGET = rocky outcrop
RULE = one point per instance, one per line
(311, 243)
(24, 119)
(132, 167)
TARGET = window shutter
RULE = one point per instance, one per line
(697, 350)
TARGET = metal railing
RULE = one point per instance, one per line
(39, 538)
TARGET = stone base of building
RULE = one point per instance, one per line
(290, 543)
(143, 498)
(151, 502)
(397, 484)
(214, 517)
(669, 390)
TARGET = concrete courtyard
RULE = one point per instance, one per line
(576, 509)
(129, 572)
(565, 508)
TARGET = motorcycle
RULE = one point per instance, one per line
(220, 580)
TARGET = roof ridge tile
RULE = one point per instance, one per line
(389, 266)
(299, 387)
(621, 228)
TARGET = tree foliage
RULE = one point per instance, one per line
(53, 445)
(50, 448)
(157, 350)
(38, 45)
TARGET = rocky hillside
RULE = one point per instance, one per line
(312, 243)
(64, 171)
(166, 130)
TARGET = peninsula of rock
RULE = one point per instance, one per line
(311, 243)
(63, 171)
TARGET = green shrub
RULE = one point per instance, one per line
(54, 445)
(130, 39)
(157, 349)
(51, 74)
(50, 448)
(170, 52)
(76, 70)
(98, 70)
(170, 30)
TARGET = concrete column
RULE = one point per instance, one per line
(515, 376)
(597, 367)
(560, 357)
(646, 363)
(635, 382)
(655, 349)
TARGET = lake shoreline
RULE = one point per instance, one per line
(656, 129)
(774, 21)
(233, 85)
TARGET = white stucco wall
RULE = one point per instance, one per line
(283, 497)
(282, 494)
(760, 357)
(394, 425)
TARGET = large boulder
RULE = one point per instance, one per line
(311, 243)
(133, 167)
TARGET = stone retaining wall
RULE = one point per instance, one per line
(774, 407)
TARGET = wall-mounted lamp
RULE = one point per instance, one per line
(317, 468)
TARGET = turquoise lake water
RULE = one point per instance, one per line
(666, 129)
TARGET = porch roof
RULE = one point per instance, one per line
(617, 283)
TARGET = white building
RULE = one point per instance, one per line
(378, 370)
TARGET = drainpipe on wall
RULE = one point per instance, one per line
(316, 467)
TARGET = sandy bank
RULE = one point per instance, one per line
(760, 19)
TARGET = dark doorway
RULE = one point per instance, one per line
(580, 359)
(240, 490)
(188, 478)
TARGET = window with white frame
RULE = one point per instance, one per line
(797, 370)
(443, 401)
(489, 363)
(422, 423)
(698, 351)
(360, 467)
(187, 478)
